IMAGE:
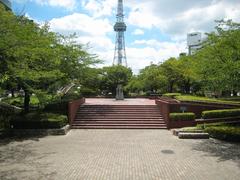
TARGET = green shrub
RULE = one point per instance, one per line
(171, 95)
(88, 92)
(4, 122)
(220, 113)
(38, 120)
(60, 107)
(229, 133)
(191, 98)
(71, 96)
(19, 101)
(182, 116)
(6, 112)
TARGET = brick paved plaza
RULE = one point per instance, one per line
(118, 154)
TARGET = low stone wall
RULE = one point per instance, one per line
(164, 107)
(167, 106)
(73, 107)
(198, 107)
(181, 124)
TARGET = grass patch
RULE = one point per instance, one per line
(18, 101)
(171, 95)
(34, 100)
(204, 99)
(192, 128)
(182, 116)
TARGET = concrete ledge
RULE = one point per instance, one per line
(177, 131)
(184, 135)
(22, 132)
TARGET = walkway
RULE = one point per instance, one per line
(129, 101)
(119, 155)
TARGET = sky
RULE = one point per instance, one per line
(157, 29)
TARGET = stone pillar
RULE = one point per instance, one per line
(119, 93)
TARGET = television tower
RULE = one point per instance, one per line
(120, 27)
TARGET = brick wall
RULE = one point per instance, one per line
(73, 107)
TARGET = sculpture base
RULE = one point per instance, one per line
(119, 93)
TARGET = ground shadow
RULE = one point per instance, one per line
(224, 151)
(21, 160)
(8, 138)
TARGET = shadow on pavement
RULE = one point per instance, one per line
(224, 151)
(20, 160)
(8, 139)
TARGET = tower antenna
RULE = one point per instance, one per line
(120, 27)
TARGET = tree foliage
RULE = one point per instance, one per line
(114, 75)
(37, 60)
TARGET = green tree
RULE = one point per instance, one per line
(153, 79)
(135, 85)
(171, 70)
(36, 59)
(113, 76)
(219, 59)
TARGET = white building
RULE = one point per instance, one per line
(194, 42)
(6, 3)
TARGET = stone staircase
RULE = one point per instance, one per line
(118, 117)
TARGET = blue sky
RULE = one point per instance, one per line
(157, 29)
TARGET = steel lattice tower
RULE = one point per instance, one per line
(120, 27)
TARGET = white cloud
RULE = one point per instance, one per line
(174, 18)
(142, 18)
(90, 31)
(82, 24)
(68, 4)
(138, 32)
(154, 51)
(100, 8)
(177, 18)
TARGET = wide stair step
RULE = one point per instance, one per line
(118, 117)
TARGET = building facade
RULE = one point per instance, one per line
(194, 42)
(7, 4)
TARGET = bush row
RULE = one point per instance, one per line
(220, 113)
(38, 120)
(229, 133)
(182, 116)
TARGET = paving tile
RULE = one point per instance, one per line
(119, 155)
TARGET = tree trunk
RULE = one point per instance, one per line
(26, 101)
(12, 92)
(170, 90)
(187, 87)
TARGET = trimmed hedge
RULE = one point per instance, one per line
(171, 95)
(220, 113)
(229, 133)
(182, 116)
(60, 107)
(38, 120)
